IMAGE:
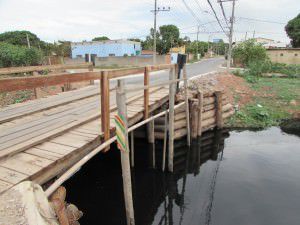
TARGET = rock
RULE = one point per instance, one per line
(293, 102)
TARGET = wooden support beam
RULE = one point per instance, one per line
(187, 113)
(132, 148)
(125, 161)
(172, 90)
(194, 119)
(200, 111)
(105, 106)
(219, 110)
(146, 93)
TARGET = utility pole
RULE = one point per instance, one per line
(28, 42)
(198, 30)
(246, 36)
(155, 11)
(230, 33)
(253, 34)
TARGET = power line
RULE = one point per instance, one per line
(191, 11)
(212, 8)
(223, 12)
(259, 20)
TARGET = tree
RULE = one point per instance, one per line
(248, 52)
(102, 38)
(166, 37)
(293, 31)
(20, 38)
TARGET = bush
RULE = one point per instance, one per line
(249, 52)
(12, 55)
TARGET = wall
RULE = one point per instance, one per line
(124, 61)
(105, 49)
(287, 56)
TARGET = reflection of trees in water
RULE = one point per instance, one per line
(164, 191)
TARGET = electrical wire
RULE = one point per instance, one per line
(212, 8)
(223, 12)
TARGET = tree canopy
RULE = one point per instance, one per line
(20, 38)
(293, 31)
(102, 38)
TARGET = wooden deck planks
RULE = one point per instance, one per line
(45, 156)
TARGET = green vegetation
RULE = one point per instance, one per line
(276, 100)
(12, 55)
(102, 38)
(249, 52)
(293, 31)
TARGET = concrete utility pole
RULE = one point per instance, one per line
(155, 11)
(230, 36)
(28, 42)
(198, 30)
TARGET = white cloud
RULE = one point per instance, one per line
(84, 19)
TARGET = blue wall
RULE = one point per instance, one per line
(105, 49)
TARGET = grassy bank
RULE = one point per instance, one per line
(274, 100)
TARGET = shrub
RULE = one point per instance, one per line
(12, 55)
(248, 52)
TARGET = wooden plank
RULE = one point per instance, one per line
(11, 176)
(43, 154)
(58, 149)
(4, 186)
(25, 163)
(25, 69)
(24, 83)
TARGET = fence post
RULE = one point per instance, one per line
(219, 106)
(187, 113)
(105, 106)
(125, 160)
(171, 117)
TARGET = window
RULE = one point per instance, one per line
(281, 54)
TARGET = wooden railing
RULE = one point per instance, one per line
(28, 69)
(24, 83)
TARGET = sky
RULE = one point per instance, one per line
(78, 20)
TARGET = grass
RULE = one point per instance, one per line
(276, 99)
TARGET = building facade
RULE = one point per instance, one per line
(106, 48)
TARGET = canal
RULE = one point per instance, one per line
(236, 177)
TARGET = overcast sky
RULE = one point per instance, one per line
(78, 20)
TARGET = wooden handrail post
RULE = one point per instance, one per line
(125, 160)
(146, 93)
(219, 106)
(105, 106)
(171, 118)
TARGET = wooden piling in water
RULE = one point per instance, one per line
(132, 148)
(165, 143)
(219, 111)
(125, 161)
(200, 110)
(187, 113)
(171, 118)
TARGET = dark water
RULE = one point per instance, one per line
(245, 178)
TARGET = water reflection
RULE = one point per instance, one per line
(168, 190)
(97, 188)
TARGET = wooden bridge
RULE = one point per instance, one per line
(40, 139)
